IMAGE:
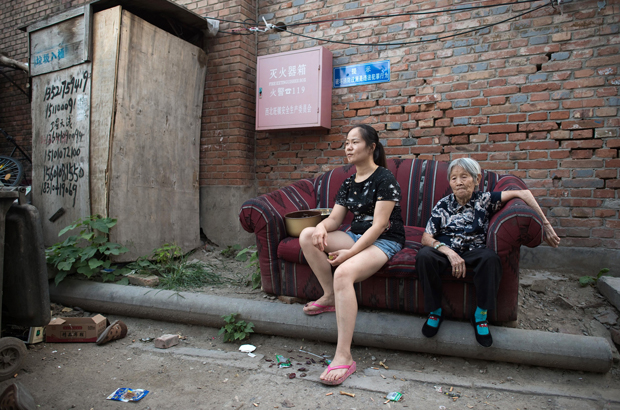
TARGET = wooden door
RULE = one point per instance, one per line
(154, 154)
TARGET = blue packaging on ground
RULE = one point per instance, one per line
(125, 394)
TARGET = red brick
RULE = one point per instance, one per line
(362, 104)
(537, 164)
(538, 145)
(538, 126)
(166, 341)
(538, 116)
(581, 154)
(501, 91)
(497, 100)
(559, 115)
(535, 88)
(461, 130)
(584, 83)
(595, 143)
(543, 106)
(582, 163)
(495, 129)
(575, 125)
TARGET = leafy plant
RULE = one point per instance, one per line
(230, 251)
(235, 330)
(167, 253)
(174, 270)
(591, 280)
(250, 255)
(88, 252)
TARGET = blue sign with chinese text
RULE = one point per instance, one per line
(361, 74)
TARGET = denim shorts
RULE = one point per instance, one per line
(388, 247)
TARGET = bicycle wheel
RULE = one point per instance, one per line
(11, 171)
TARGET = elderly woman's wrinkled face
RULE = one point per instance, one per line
(462, 184)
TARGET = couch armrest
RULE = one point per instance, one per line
(264, 216)
(514, 225)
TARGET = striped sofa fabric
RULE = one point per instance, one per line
(284, 270)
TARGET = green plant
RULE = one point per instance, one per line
(250, 255)
(230, 251)
(235, 330)
(167, 253)
(591, 280)
(174, 270)
(88, 252)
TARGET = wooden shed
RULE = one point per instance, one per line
(116, 107)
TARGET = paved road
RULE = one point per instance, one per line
(202, 372)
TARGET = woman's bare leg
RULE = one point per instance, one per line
(317, 260)
(360, 267)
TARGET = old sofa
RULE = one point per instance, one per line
(284, 270)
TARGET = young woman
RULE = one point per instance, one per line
(377, 233)
(455, 238)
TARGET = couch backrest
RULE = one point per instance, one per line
(422, 182)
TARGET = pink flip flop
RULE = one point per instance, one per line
(321, 309)
(350, 371)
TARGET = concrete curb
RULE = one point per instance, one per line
(383, 330)
(610, 288)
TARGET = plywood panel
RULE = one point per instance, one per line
(58, 46)
(155, 147)
(60, 144)
(106, 36)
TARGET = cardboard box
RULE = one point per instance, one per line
(35, 335)
(75, 329)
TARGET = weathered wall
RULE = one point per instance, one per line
(536, 96)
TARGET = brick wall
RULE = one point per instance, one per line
(536, 97)
(227, 144)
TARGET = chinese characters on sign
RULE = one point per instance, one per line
(292, 89)
(49, 56)
(361, 74)
(284, 84)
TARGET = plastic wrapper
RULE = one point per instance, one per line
(126, 394)
(394, 396)
(283, 361)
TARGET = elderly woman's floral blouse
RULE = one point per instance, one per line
(463, 228)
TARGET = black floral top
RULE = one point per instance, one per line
(463, 228)
(361, 197)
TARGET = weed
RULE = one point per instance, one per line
(235, 330)
(591, 280)
(250, 255)
(230, 251)
(88, 252)
(174, 270)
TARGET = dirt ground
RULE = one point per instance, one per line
(203, 372)
(548, 301)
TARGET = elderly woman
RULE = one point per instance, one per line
(455, 237)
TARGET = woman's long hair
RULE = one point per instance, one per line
(370, 136)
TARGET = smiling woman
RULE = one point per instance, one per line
(455, 239)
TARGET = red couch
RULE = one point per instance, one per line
(284, 270)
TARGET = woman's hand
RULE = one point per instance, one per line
(550, 236)
(458, 264)
(337, 257)
(319, 237)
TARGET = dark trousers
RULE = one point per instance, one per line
(487, 271)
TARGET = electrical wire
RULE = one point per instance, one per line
(413, 13)
(432, 11)
(423, 40)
